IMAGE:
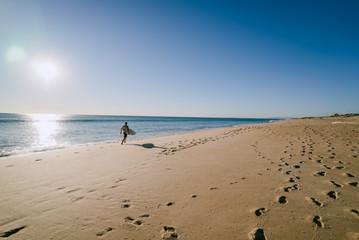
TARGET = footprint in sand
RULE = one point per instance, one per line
(120, 180)
(77, 199)
(257, 234)
(319, 174)
(129, 219)
(168, 233)
(333, 194)
(282, 199)
(355, 211)
(73, 190)
(291, 188)
(349, 175)
(336, 184)
(133, 221)
(260, 211)
(138, 222)
(327, 167)
(100, 234)
(354, 184)
(11, 232)
(125, 205)
(318, 221)
(316, 202)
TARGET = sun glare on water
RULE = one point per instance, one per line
(46, 127)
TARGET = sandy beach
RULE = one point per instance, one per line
(296, 179)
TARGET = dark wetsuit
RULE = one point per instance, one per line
(125, 131)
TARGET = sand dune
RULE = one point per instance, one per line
(296, 179)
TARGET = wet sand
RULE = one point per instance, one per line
(296, 179)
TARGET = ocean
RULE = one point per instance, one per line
(26, 133)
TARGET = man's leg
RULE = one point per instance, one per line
(124, 138)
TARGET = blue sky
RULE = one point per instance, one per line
(180, 58)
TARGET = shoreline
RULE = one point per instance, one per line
(294, 179)
(63, 147)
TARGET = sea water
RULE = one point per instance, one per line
(25, 133)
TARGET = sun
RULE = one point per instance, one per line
(46, 69)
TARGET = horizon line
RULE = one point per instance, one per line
(129, 115)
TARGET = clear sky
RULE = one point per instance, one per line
(180, 58)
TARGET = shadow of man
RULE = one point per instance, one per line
(147, 145)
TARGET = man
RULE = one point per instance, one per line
(125, 129)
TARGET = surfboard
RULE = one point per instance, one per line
(131, 132)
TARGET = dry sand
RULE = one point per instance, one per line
(296, 179)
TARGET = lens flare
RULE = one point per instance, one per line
(15, 54)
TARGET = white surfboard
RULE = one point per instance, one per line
(131, 132)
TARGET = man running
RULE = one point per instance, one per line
(125, 129)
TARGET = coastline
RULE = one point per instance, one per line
(293, 179)
(46, 132)
(118, 141)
